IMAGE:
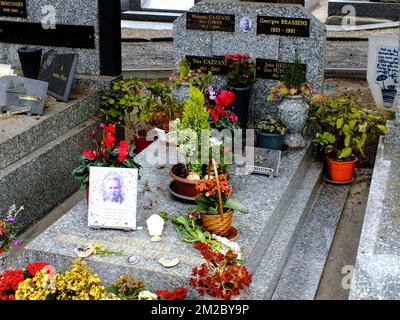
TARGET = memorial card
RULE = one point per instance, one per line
(112, 198)
(62, 76)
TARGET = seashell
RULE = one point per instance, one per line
(168, 262)
(155, 225)
(193, 176)
(155, 238)
(134, 259)
(84, 251)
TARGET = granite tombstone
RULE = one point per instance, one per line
(277, 31)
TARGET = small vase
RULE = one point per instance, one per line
(241, 104)
(269, 140)
(30, 59)
(293, 110)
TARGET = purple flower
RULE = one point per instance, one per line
(11, 219)
(15, 243)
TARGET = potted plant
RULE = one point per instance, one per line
(107, 153)
(218, 104)
(221, 276)
(241, 77)
(270, 133)
(342, 129)
(185, 77)
(293, 108)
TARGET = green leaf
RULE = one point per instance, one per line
(339, 123)
(235, 205)
(346, 152)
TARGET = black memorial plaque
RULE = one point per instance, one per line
(216, 65)
(278, 1)
(46, 66)
(272, 69)
(210, 21)
(13, 8)
(281, 26)
(62, 76)
(69, 36)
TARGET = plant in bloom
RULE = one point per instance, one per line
(147, 295)
(10, 279)
(241, 70)
(127, 288)
(8, 229)
(282, 90)
(218, 102)
(221, 276)
(107, 153)
(99, 250)
(177, 294)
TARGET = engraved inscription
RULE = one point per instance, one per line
(210, 22)
(281, 26)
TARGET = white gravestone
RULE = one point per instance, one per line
(383, 65)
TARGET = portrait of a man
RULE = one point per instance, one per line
(112, 189)
(245, 24)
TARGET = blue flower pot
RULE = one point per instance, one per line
(269, 140)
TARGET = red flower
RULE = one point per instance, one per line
(123, 151)
(225, 98)
(89, 154)
(110, 128)
(35, 267)
(109, 141)
(178, 294)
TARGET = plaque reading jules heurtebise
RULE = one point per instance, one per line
(216, 65)
(273, 70)
(281, 26)
(62, 76)
(13, 8)
(210, 21)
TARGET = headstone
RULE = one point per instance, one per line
(20, 95)
(62, 75)
(88, 28)
(398, 93)
(382, 75)
(276, 31)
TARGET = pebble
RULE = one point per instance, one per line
(168, 262)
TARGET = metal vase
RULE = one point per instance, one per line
(293, 110)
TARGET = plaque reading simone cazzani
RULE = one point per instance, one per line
(13, 8)
(210, 21)
(280, 26)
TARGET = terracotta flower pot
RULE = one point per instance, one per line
(184, 186)
(341, 171)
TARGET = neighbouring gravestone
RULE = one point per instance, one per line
(382, 75)
(398, 93)
(88, 28)
(272, 34)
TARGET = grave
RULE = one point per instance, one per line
(38, 153)
(211, 29)
(267, 232)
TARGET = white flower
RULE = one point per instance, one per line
(215, 142)
(147, 295)
(230, 244)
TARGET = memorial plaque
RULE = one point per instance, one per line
(46, 66)
(13, 8)
(273, 70)
(277, 1)
(62, 76)
(260, 161)
(216, 65)
(210, 22)
(281, 26)
(68, 36)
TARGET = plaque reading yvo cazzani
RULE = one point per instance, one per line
(273, 70)
(210, 21)
(217, 65)
(280, 26)
(13, 8)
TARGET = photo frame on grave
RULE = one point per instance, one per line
(112, 198)
(46, 65)
(260, 161)
(62, 76)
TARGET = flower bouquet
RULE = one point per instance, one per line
(9, 230)
(221, 276)
(241, 70)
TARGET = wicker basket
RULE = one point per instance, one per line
(218, 224)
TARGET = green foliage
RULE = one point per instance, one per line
(195, 116)
(294, 76)
(122, 99)
(196, 77)
(342, 128)
(270, 124)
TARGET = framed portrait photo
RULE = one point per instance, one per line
(112, 198)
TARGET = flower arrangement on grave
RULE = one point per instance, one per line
(105, 154)
(10, 279)
(9, 230)
(241, 70)
(342, 129)
(177, 294)
(218, 102)
(78, 283)
(127, 288)
(221, 276)
(270, 132)
(194, 77)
